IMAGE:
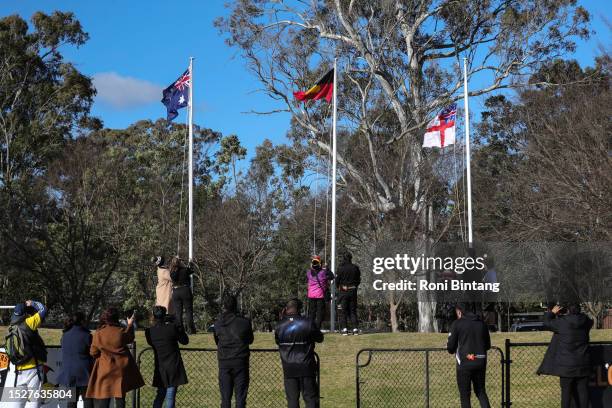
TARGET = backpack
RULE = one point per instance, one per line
(22, 344)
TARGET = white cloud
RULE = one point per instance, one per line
(125, 92)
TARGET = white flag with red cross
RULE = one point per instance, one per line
(441, 130)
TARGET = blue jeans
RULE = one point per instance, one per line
(167, 394)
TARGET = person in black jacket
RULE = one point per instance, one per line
(182, 298)
(76, 360)
(567, 355)
(233, 334)
(296, 336)
(469, 340)
(164, 336)
(348, 279)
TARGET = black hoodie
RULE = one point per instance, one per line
(233, 334)
(469, 340)
(568, 352)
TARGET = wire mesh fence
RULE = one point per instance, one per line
(418, 378)
(266, 389)
(525, 388)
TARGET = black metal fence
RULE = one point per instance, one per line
(266, 389)
(426, 377)
(418, 378)
(524, 387)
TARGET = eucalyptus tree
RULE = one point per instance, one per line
(399, 63)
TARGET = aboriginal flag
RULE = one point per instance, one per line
(323, 89)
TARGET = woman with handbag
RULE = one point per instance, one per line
(319, 279)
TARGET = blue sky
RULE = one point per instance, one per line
(138, 47)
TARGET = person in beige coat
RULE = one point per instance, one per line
(163, 290)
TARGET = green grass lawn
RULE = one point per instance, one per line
(391, 379)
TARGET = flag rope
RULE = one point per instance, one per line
(457, 198)
(319, 157)
(314, 212)
(464, 185)
(180, 220)
(327, 191)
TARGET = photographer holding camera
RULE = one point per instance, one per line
(233, 336)
(567, 356)
(296, 336)
(26, 350)
(164, 336)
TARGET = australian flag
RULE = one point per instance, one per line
(176, 96)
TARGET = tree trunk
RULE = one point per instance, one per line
(393, 314)
(427, 316)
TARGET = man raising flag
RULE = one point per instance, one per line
(176, 96)
(441, 130)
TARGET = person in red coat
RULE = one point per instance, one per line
(115, 372)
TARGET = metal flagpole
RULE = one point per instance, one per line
(467, 153)
(332, 318)
(191, 164)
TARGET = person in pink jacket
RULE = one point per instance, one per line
(319, 279)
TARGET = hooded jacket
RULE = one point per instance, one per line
(568, 352)
(233, 335)
(469, 340)
(296, 337)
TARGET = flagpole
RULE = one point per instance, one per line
(332, 319)
(467, 152)
(191, 164)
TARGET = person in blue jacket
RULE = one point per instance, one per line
(76, 360)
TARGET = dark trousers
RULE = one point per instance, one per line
(466, 378)
(105, 403)
(348, 304)
(234, 380)
(80, 392)
(576, 389)
(316, 310)
(183, 301)
(307, 386)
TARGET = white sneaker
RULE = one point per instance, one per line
(345, 332)
(356, 332)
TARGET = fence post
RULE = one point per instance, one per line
(135, 391)
(426, 378)
(357, 399)
(508, 361)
